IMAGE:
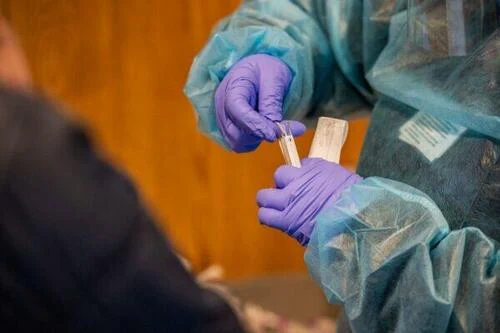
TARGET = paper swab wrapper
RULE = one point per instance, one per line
(329, 139)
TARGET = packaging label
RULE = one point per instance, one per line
(430, 135)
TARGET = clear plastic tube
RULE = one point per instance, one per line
(288, 147)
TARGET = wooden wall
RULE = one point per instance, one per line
(121, 65)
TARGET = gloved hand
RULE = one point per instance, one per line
(250, 98)
(301, 194)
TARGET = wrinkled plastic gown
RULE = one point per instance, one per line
(385, 251)
(439, 58)
(445, 61)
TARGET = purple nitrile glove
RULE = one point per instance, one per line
(301, 194)
(250, 99)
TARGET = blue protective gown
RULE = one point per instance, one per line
(415, 246)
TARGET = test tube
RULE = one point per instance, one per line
(288, 147)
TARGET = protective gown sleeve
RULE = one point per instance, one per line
(293, 31)
(385, 252)
(78, 251)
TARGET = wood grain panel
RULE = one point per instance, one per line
(121, 66)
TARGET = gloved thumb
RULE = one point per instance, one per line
(296, 127)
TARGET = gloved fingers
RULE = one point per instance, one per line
(273, 198)
(273, 87)
(316, 162)
(245, 117)
(296, 127)
(310, 161)
(238, 141)
(246, 147)
(320, 165)
(272, 218)
(285, 174)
